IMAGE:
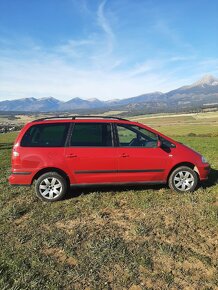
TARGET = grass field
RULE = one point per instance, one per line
(114, 238)
(201, 124)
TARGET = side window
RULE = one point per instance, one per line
(126, 136)
(45, 135)
(134, 136)
(91, 135)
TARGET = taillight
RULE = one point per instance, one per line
(15, 154)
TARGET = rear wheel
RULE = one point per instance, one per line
(183, 179)
(51, 186)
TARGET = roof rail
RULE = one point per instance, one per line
(79, 117)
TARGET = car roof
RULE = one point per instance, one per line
(70, 118)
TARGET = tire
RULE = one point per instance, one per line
(183, 179)
(51, 187)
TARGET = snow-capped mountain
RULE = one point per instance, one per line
(203, 91)
(207, 80)
(207, 85)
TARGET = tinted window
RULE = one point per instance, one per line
(91, 134)
(46, 135)
(134, 136)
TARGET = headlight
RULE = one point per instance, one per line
(203, 159)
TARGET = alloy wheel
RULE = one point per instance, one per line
(50, 188)
(184, 180)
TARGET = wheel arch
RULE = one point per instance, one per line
(188, 164)
(51, 169)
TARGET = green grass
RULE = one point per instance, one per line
(112, 238)
(183, 130)
(200, 124)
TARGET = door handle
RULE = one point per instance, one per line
(124, 155)
(71, 156)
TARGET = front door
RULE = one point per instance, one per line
(139, 157)
(91, 157)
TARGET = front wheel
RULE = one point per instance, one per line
(51, 186)
(183, 179)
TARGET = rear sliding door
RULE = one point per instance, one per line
(91, 156)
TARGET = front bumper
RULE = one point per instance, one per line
(204, 171)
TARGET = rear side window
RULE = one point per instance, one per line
(45, 135)
(91, 135)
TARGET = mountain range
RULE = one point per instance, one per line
(196, 95)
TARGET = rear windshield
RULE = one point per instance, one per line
(45, 135)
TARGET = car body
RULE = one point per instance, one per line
(101, 150)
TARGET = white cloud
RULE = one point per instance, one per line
(44, 74)
(74, 48)
(49, 75)
(144, 68)
(102, 20)
(105, 26)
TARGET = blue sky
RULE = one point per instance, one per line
(104, 48)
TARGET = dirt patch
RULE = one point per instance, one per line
(60, 255)
(123, 220)
(47, 228)
(197, 268)
(135, 287)
(22, 219)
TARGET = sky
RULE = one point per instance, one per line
(105, 49)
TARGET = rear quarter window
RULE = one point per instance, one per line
(45, 135)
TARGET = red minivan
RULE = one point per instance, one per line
(59, 152)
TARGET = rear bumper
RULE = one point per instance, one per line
(20, 178)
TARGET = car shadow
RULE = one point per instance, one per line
(113, 189)
(212, 179)
(78, 191)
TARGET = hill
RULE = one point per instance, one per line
(194, 96)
